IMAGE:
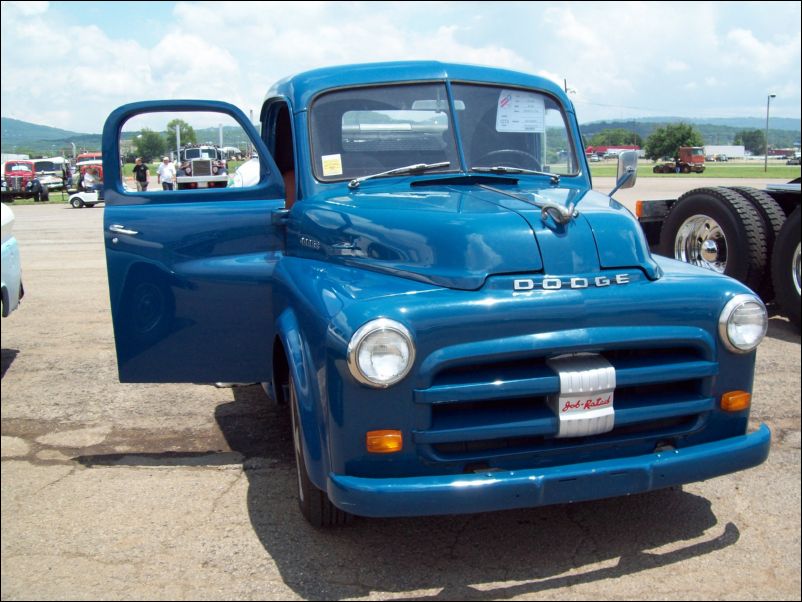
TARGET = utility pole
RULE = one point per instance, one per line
(766, 157)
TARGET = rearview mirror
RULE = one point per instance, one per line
(627, 171)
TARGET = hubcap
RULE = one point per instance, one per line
(701, 241)
(795, 269)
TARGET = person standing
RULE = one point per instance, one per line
(166, 174)
(141, 174)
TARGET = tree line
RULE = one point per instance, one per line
(150, 145)
(666, 140)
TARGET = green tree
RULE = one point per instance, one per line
(665, 141)
(616, 137)
(184, 129)
(753, 140)
(149, 145)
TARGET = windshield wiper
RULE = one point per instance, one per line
(399, 171)
(555, 178)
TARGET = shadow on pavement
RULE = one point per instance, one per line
(467, 557)
(7, 357)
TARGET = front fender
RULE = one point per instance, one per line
(310, 409)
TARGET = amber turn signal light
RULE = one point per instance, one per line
(384, 442)
(639, 209)
(735, 401)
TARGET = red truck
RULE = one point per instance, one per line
(689, 159)
(20, 180)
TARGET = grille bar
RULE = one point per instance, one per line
(543, 423)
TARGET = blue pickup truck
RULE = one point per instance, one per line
(422, 273)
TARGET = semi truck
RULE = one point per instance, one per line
(689, 159)
(422, 275)
(752, 235)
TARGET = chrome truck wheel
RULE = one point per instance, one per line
(717, 229)
(701, 241)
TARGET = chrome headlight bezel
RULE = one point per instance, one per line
(725, 321)
(362, 336)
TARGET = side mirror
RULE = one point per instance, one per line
(627, 171)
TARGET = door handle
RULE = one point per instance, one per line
(118, 229)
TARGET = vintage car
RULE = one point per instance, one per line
(421, 271)
(20, 180)
(12, 288)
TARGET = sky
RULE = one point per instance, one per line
(69, 64)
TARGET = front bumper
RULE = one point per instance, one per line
(505, 490)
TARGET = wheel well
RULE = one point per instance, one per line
(281, 371)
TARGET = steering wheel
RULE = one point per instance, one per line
(518, 158)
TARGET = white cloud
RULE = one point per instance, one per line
(675, 65)
(622, 60)
(764, 58)
(30, 9)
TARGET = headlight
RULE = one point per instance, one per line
(381, 353)
(743, 323)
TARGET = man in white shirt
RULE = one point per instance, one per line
(166, 174)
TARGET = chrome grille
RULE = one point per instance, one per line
(486, 411)
(202, 167)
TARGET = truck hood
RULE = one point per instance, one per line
(457, 235)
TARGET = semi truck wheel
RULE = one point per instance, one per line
(315, 504)
(718, 229)
(773, 219)
(785, 264)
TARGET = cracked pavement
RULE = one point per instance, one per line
(174, 492)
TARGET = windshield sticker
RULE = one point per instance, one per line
(332, 165)
(520, 112)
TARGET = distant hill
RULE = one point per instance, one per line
(713, 130)
(24, 137)
(741, 123)
(31, 138)
(21, 136)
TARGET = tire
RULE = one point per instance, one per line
(315, 505)
(76, 202)
(657, 169)
(718, 229)
(773, 219)
(685, 169)
(785, 267)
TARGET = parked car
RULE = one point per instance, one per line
(792, 161)
(11, 273)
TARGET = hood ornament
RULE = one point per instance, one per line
(560, 214)
(548, 209)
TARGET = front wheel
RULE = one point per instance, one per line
(76, 202)
(785, 267)
(315, 504)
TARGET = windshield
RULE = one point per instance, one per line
(513, 128)
(364, 131)
(47, 166)
(369, 130)
(200, 153)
